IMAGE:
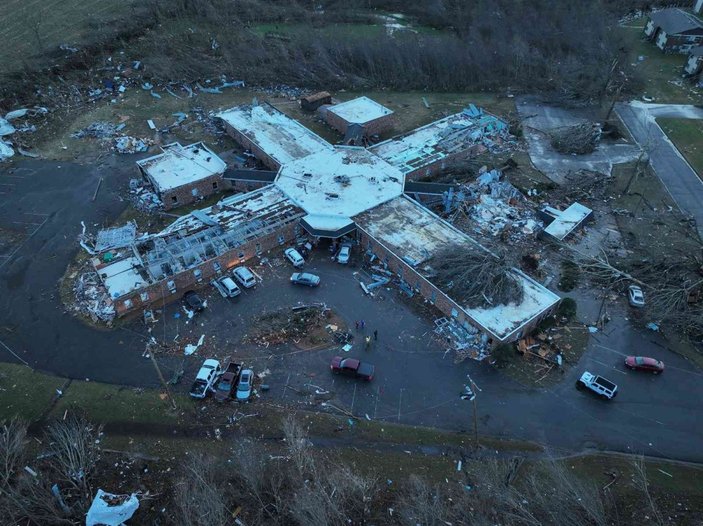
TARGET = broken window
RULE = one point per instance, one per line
(195, 192)
(455, 313)
(171, 286)
(198, 274)
(144, 296)
(217, 267)
(281, 240)
(174, 199)
(241, 255)
(214, 185)
(258, 249)
(433, 298)
(128, 304)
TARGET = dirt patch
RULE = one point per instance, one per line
(306, 327)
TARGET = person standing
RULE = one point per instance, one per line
(363, 325)
(375, 334)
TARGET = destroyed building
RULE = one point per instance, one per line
(183, 174)
(371, 116)
(324, 191)
(428, 150)
(674, 30)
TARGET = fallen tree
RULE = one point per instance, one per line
(579, 138)
(474, 277)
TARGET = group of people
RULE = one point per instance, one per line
(360, 324)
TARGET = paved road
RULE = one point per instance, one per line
(680, 180)
(42, 206)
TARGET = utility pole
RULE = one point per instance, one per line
(161, 377)
(470, 395)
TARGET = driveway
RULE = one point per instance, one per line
(539, 119)
(680, 180)
(416, 381)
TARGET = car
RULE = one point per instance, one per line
(305, 278)
(193, 301)
(204, 380)
(352, 367)
(244, 388)
(294, 257)
(597, 384)
(643, 363)
(227, 382)
(244, 276)
(230, 287)
(344, 254)
(635, 296)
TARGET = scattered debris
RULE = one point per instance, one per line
(99, 130)
(92, 300)
(191, 349)
(132, 144)
(467, 342)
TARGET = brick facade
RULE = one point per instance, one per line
(373, 127)
(159, 294)
(193, 192)
(432, 293)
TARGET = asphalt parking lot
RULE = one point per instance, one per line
(41, 209)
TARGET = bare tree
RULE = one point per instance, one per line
(640, 469)
(201, 493)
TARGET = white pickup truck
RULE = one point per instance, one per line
(208, 373)
(598, 385)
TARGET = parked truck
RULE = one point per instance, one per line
(598, 385)
(208, 373)
(227, 383)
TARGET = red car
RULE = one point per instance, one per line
(642, 363)
(352, 367)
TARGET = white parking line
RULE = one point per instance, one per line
(608, 365)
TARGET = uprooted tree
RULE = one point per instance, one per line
(26, 493)
(579, 138)
(475, 277)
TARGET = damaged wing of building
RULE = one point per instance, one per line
(322, 190)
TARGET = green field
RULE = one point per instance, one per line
(32, 27)
(687, 135)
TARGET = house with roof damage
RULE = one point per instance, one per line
(674, 30)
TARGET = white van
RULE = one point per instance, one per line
(230, 287)
(244, 276)
(294, 257)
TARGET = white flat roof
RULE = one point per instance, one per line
(339, 182)
(360, 110)
(415, 235)
(121, 278)
(503, 320)
(567, 221)
(279, 136)
(435, 140)
(412, 231)
(180, 165)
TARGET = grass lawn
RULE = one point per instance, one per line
(24, 392)
(31, 27)
(660, 73)
(687, 136)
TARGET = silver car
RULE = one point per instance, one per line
(305, 278)
(246, 379)
(344, 254)
(635, 296)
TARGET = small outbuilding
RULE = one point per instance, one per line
(674, 30)
(184, 174)
(561, 223)
(314, 101)
(362, 111)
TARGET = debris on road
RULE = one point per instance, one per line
(578, 139)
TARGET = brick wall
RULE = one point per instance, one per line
(159, 293)
(247, 144)
(374, 127)
(191, 193)
(430, 292)
(440, 165)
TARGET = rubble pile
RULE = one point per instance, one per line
(283, 326)
(467, 342)
(8, 128)
(92, 300)
(103, 131)
(144, 198)
(578, 139)
(491, 206)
